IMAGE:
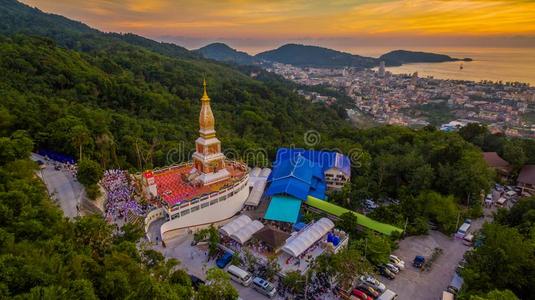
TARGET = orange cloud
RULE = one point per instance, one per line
(299, 18)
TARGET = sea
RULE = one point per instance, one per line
(496, 64)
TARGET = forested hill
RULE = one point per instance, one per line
(136, 99)
(314, 56)
(399, 57)
(222, 52)
(19, 18)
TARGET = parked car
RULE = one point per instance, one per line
(392, 268)
(418, 261)
(468, 239)
(374, 283)
(386, 272)
(400, 264)
(264, 287)
(368, 290)
(456, 284)
(388, 295)
(224, 260)
(361, 295)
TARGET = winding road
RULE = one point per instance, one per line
(62, 187)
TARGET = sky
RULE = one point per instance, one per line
(254, 25)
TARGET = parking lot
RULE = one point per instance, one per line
(412, 283)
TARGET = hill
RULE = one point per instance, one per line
(314, 56)
(144, 94)
(20, 18)
(399, 57)
(222, 52)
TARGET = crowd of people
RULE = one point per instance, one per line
(120, 196)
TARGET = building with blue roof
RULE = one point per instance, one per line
(299, 179)
(298, 174)
(335, 166)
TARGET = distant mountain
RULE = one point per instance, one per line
(314, 56)
(222, 52)
(400, 57)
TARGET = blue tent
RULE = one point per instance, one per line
(325, 159)
(283, 209)
(298, 178)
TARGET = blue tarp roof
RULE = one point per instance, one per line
(325, 159)
(56, 156)
(298, 178)
(283, 209)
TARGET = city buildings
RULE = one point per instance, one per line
(410, 100)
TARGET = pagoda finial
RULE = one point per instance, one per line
(205, 94)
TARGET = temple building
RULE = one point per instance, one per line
(209, 189)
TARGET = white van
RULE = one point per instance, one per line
(447, 296)
(242, 277)
(463, 230)
(388, 295)
(264, 287)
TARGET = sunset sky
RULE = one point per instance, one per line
(255, 25)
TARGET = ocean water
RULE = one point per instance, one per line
(496, 64)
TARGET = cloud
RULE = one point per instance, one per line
(286, 19)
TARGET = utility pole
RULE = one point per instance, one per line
(458, 219)
(405, 227)
(468, 204)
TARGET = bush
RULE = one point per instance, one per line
(92, 191)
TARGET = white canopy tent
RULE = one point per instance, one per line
(235, 225)
(308, 237)
(255, 172)
(265, 172)
(246, 232)
(256, 193)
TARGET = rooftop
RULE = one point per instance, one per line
(494, 160)
(174, 187)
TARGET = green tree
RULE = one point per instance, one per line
(294, 282)
(89, 172)
(218, 287)
(80, 136)
(348, 222)
(376, 247)
(505, 260)
(348, 263)
(496, 295)
(272, 267)
(513, 152)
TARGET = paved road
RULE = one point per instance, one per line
(61, 186)
(411, 283)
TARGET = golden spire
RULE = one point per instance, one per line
(205, 94)
(206, 117)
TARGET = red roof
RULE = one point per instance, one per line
(172, 187)
(527, 175)
(494, 160)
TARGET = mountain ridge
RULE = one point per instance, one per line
(321, 57)
(223, 52)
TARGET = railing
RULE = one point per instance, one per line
(153, 216)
